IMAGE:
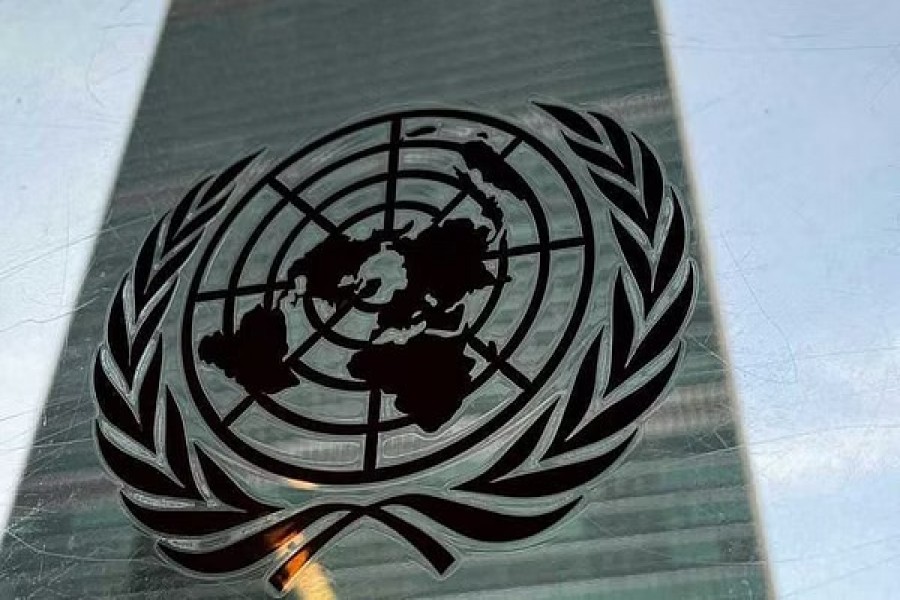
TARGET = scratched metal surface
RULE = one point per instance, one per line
(675, 520)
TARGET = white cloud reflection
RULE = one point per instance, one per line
(790, 112)
(792, 122)
(71, 75)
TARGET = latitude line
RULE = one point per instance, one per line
(243, 290)
(390, 191)
(370, 458)
(536, 247)
(302, 205)
(511, 373)
(316, 335)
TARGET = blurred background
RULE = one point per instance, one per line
(789, 117)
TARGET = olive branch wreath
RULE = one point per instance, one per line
(195, 508)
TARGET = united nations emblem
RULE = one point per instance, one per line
(434, 321)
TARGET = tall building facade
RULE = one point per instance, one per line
(675, 520)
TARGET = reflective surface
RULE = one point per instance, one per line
(791, 120)
(815, 458)
(675, 518)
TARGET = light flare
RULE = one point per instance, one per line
(307, 580)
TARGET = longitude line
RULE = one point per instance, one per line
(302, 205)
(507, 369)
(314, 337)
(448, 208)
(370, 458)
(461, 195)
(510, 147)
(238, 410)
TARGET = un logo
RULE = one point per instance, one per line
(433, 320)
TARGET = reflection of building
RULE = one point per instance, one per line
(674, 521)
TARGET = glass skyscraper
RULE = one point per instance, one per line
(675, 520)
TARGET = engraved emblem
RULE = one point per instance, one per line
(435, 320)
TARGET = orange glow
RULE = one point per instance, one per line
(299, 484)
(306, 580)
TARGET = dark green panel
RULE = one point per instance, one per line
(230, 77)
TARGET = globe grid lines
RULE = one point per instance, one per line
(325, 329)
(373, 425)
(313, 215)
(283, 285)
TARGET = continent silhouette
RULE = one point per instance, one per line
(425, 366)
(254, 354)
(443, 264)
(429, 376)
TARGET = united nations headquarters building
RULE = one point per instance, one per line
(395, 300)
